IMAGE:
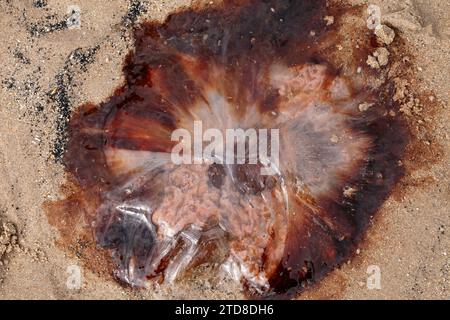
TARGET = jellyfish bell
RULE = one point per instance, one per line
(248, 66)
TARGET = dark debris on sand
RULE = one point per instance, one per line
(79, 59)
(136, 8)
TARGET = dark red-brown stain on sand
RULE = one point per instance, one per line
(240, 64)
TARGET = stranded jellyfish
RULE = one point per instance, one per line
(248, 65)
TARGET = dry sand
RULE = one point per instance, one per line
(47, 69)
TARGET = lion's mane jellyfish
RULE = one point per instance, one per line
(237, 65)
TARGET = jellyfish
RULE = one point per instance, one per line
(271, 70)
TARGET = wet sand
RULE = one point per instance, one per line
(49, 69)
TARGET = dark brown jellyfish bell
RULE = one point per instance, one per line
(263, 65)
